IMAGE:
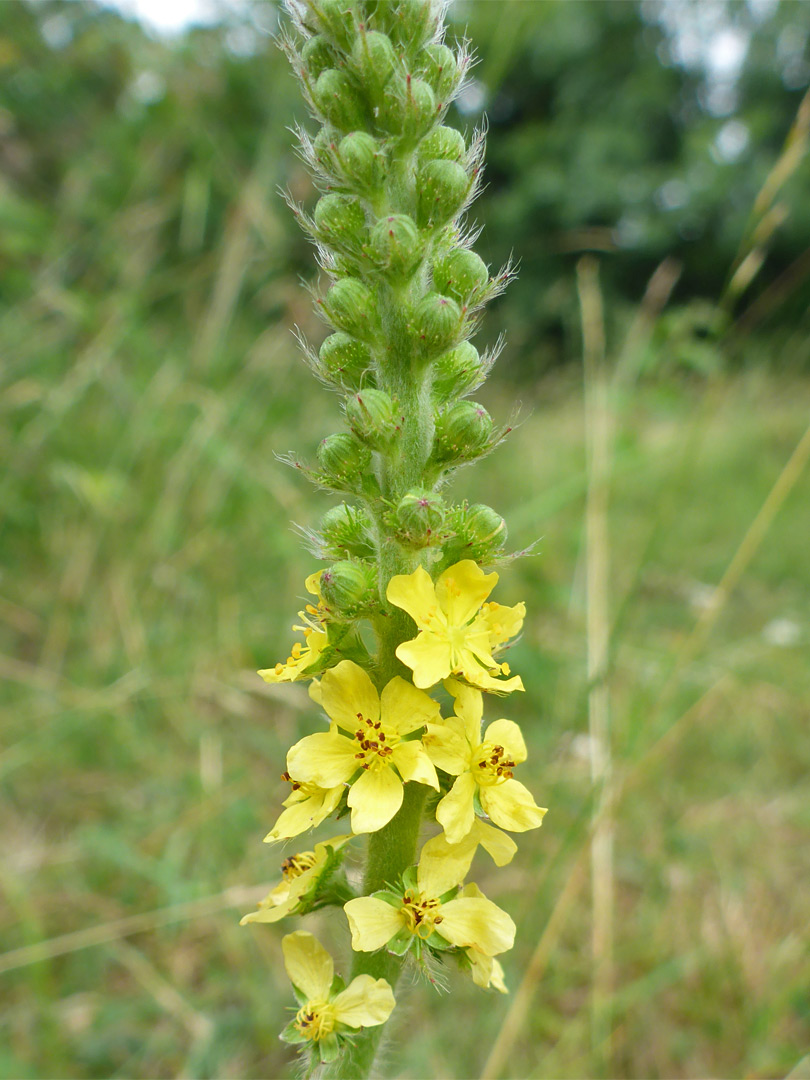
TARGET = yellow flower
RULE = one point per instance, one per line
(304, 657)
(457, 635)
(375, 745)
(483, 767)
(326, 1011)
(307, 806)
(301, 875)
(418, 913)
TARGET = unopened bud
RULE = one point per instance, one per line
(456, 372)
(372, 418)
(362, 160)
(408, 107)
(318, 56)
(436, 322)
(337, 98)
(462, 432)
(346, 530)
(352, 307)
(485, 526)
(443, 143)
(461, 274)
(324, 146)
(374, 60)
(396, 245)
(412, 22)
(443, 188)
(343, 459)
(339, 19)
(441, 70)
(419, 518)
(345, 361)
(349, 587)
(340, 221)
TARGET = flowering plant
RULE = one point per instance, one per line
(406, 291)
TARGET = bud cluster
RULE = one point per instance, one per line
(405, 290)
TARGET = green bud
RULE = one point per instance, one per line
(352, 307)
(349, 587)
(337, 98)
(455, 373)
(419, 518)
(462, 432)
(343, 459)
(485, 526)
(443, 187)
(318, 56)
(436, 322)
(340, 221)
(396, 245)
(374, 60)
(346, 530)
(339, 19)
(324, 146)
(461, 274)
(345, 361)
(362, 160)
(411, 22)
(408, 108)
(372, 417)
(443, 143)
(441, 70)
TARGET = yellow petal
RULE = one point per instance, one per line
(308, 965)
(414, 764)
(462, 589)
(313, 583)
(447, 745)
(324, 758)
(486, 971)
(404, 708)
(428, 656)
(477, 922)
(476, 675)
(372, 922)
(500, 847)
(347, 690)
(365, 1002)
(374, 798)
(305, 814)
(507, 734)
(315, 691)
(503, 622)
(456, 812)
(269, 914)
(469, 707)
(442, 866)
(512, 806)
(415, 594)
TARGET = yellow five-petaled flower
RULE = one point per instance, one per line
(366, 1002)
(482, 765)
(457, 630)
(374, 746)
(468, 920)
(304, 657)
(300, 877)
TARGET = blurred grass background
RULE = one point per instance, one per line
(149, 282)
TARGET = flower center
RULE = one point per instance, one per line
(421, 914)
(296, 865)
(375, 743)
(491, 765)
(315, 1020)
(307, 791)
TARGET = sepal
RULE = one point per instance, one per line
(349, 588)
(338, 100)
(457, 373)
(373, 418)
(443, 188)
(462, 275)
(345, 361)
(395, 245)
(347, 530)
(463, 433)
(436, 323)
(362, 161)
(419, 517)
(443, 143)
(352, 307)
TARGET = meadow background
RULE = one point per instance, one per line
(148, 565)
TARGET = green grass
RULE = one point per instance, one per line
(149, 568)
